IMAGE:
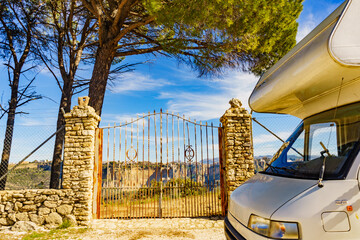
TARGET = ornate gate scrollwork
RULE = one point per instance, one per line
(189, 153)
(131, 154)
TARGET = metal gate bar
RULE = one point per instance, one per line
(148, 174)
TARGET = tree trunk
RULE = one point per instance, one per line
(97, 88)
(65, 103)
(9, 130)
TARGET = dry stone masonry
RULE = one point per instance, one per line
(239, 160)
(47, 207)
(79, 151)
(51, 207)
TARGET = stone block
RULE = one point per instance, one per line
(30, 194)
(39, 220)
(49, 191)
(18, 195)
(9, 206)
(29, 208)
(24, 226)
(50, 204)
(17, 206)
(53, 198)
(4, 222)
(40, 198)
(2, 208)
(43, 211)
(64, 209)
(54, 219)
(12, 217)
(23, 216)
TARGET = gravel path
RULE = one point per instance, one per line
(139, 229)
(159, 229)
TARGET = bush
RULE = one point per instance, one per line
(174, 187)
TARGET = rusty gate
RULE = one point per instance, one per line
(160, 165)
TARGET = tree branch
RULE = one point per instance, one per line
(138, 51)
(90, 8)
(9, 37)
(118, 12)
(51, 71)
(132, 27)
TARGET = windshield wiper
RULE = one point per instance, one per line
(322, 170)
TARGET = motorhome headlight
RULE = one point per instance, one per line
(273, 229)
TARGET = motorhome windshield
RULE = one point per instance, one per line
(333, 135)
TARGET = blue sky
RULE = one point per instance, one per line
(161, 83)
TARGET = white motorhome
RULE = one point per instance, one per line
(311, 188)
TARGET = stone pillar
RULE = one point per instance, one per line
(78, 164)
(237, 139)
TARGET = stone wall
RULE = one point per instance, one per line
(238, 153)
(47, 207)
(50, 207)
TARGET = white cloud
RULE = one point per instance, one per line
(205, 106)
(269, 149)
(269, 138)
(112, 119)
(136, 81)
(306, 27)
(308, 22)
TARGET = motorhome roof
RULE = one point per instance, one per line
(321, 72)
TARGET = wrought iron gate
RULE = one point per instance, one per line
(158, 165)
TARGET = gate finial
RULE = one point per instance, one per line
(235, 107)
(235, 103)
(83, 101)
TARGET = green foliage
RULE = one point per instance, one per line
(65, 224)
(253, 34)
(208, 35)
(174, 187)
(59, 233)
(187, 187)
(28, 178)
(34, 235)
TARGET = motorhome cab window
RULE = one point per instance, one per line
(330, 138)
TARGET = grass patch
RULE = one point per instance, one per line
(65, 224)
(34, 235)
(62, 232)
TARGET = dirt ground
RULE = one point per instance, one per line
(140, 229)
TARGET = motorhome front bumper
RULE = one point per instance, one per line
(230, 232)
(234, 234)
